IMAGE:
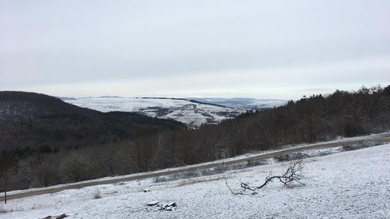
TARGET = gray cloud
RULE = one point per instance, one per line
(223, 47)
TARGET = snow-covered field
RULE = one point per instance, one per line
(191, 113)
(245, 103)
(354, 184)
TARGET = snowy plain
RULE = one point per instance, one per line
(353, 184)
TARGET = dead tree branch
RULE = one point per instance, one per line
(292, 175)
(231, 190)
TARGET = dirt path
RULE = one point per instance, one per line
(382, 139)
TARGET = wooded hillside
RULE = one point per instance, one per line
(31, 122)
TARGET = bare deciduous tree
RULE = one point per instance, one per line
(8, 168)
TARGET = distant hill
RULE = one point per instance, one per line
(41, 122)
(16, 106)
(191, 112)
(244, 103)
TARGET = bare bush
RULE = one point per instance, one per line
(291, 156)
(76, 167)
(189, 174)
(97, 194)
(169, 178)
(3, 211)
(253, 163)
(8, 169)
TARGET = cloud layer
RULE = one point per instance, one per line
(200, 48)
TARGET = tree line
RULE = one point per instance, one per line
(310, 119)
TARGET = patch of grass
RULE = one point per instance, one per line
(253, 163)
(290, 156)
(220, 169)
(207, 172)
(200, 180)
(3, 211)
(189, 174)
(360, 145)
(169, 178)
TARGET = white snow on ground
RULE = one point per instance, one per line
(191, 113)
(245, 103)
(107, 104)
(354, 184)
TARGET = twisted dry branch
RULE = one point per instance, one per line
(292, 175)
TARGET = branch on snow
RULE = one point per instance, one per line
(293, 175)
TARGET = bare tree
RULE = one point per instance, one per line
(46, 173)
(76, 167)
(8, 168)
(293, 175)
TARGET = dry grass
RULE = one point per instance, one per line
(201, 180)
(2, 210)
(97, 194)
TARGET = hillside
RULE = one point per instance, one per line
(18, 106)
(244, 103)
(33, 121)
(192, 113)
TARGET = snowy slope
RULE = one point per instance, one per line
(191, 113)
(244, 103)
(354, 184)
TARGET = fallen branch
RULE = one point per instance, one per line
(292, 175)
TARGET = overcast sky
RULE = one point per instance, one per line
(260, 48)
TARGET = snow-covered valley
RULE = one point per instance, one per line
(192, 113)
(352, 184)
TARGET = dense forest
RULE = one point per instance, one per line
(310, 119)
